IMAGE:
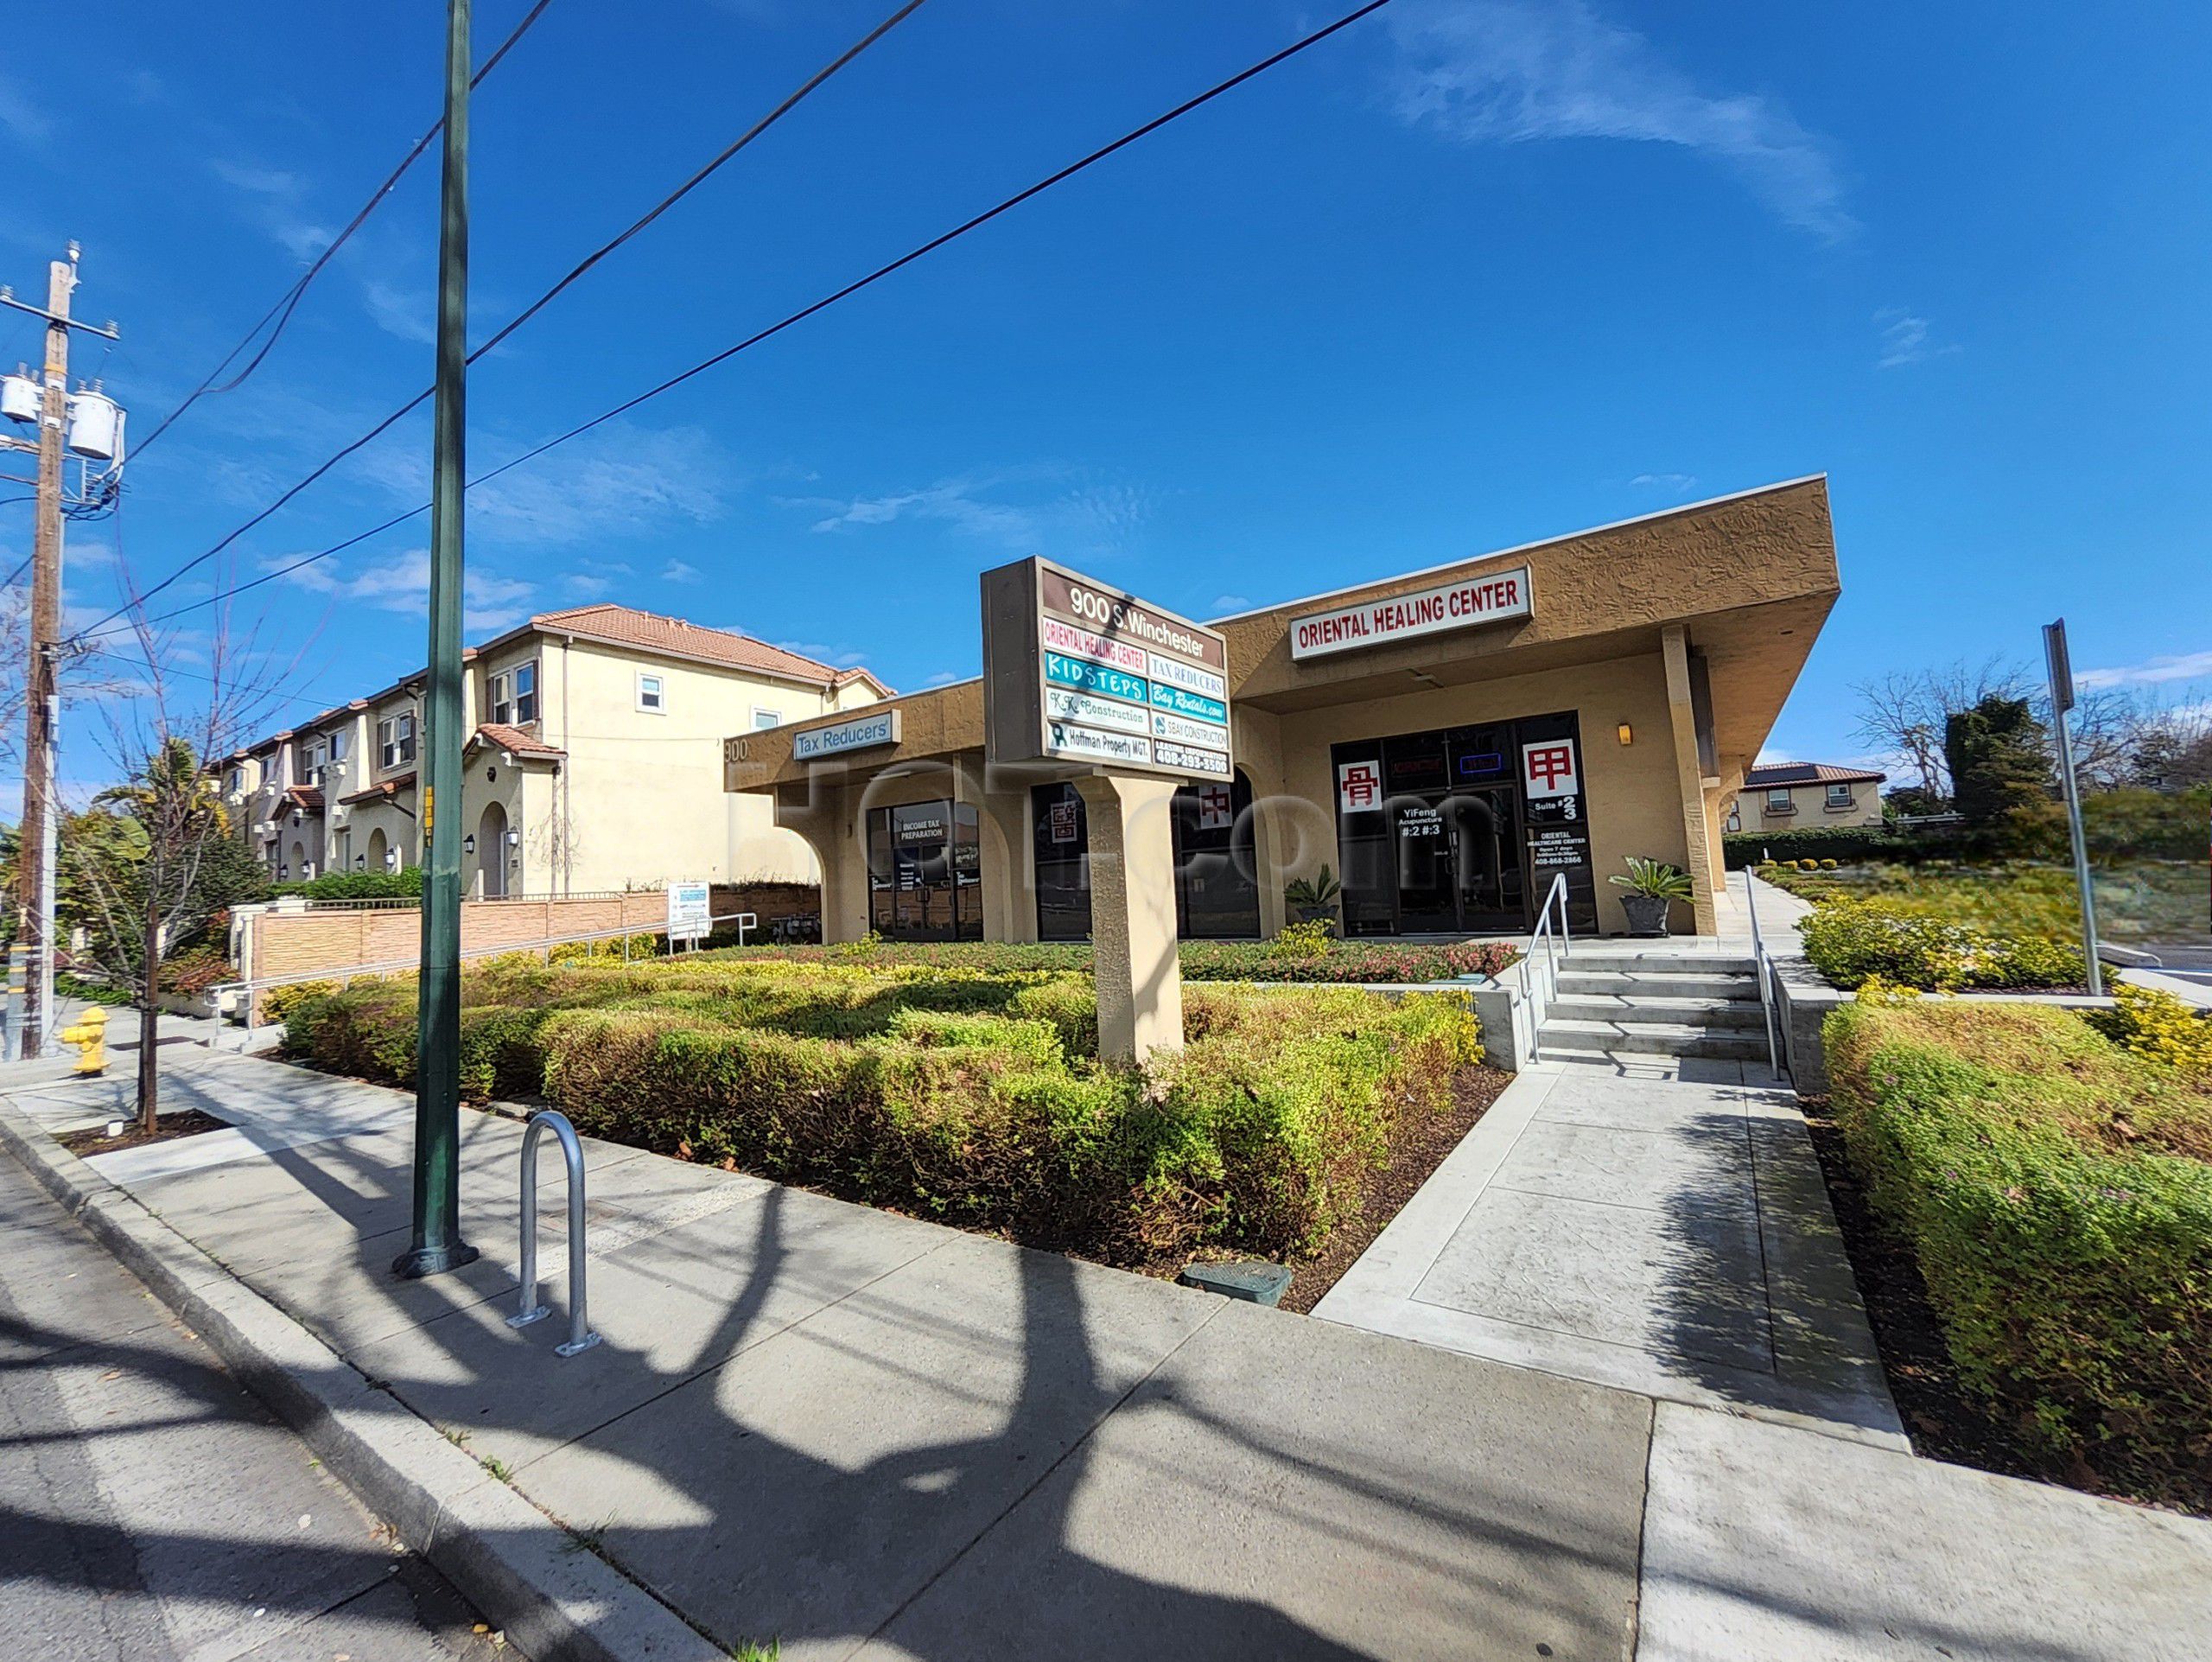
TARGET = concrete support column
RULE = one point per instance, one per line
(825, 814)
(1696, 814)
(1133, 915)
(1258, 745)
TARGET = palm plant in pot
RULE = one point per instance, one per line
(1313, 899)
(1652, 885)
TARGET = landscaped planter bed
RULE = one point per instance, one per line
(1352, 962)
(2028, 1196)
(971, 1097)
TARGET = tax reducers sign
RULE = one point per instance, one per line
(1493, 597)
(1075, 670)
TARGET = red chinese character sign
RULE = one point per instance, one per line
(1216, 808)
(1547, 769)
(1359, 787)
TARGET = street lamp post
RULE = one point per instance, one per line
(436, 1243)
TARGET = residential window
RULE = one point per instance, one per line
(1838, 796)
(763, 719)
(1777, 801)
(314, 763)
(514, 695)
(396, 741)
(338, 746)
(1735, 818)
(652, 693)
(237, 780)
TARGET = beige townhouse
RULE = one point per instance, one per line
(593, 762)
(1791, 795)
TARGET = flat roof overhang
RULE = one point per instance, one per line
(1750, 578)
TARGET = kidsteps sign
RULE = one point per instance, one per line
(1493, 597)
(1075, 671)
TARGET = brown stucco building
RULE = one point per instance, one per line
(1447, 741)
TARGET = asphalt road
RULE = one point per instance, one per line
(151, 1510)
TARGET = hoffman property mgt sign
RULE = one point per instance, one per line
(1492, 597)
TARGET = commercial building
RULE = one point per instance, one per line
(593, 763)
(1448, 742)
(1792, 795)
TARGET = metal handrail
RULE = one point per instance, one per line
(1760, 967)
(1556, 945)
(580, 1337)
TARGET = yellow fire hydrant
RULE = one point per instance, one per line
(88, 1031)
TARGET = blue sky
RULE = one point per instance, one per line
(1474, 273)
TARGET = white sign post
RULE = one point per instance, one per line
(691, 913)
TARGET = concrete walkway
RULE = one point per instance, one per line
(1657, 1225)
(862, 1435)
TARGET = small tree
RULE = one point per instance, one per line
(150, 866)
(1999, 760)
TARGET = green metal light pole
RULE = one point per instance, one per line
(436, 1245)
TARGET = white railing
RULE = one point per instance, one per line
(1539, 979)
(1762, 967)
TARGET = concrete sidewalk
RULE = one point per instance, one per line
(862, 1435)
(1656, 1224)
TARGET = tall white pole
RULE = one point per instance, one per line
(2061, 668)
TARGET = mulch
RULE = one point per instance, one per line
(1419, 1143)
(190, 1122)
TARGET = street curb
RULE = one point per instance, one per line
(556, 1601)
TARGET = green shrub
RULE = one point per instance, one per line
(2159, 1027)
(1849, 844)
(1826, 865)
(2052, 1189)
(970, 1096)
(1847, 940)
(278, 1002)
(406, 883)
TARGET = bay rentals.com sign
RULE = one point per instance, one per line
(1493, 597)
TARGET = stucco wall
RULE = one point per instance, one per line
(1812, 808)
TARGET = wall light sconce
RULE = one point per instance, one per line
(514, 839)
(1627, 733)
(361, 862)
(468, 843)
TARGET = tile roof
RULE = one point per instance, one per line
(514, 741)
(305, 796)
(1776, 774)
(625, 626)
(382, 789)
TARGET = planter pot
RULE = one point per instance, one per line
(1647, 914)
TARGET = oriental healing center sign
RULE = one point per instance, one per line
(1491, 597)
(1075, 671)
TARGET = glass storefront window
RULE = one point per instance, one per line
(924, 872)
(1217, 868)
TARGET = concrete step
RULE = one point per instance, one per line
(1641, 1009)
(1566, 1038)
(1626, 957)
(1658, 983)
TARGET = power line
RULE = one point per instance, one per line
(537, 305)
(288, 302)
(804, 313)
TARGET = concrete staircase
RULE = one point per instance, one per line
(1655, 1000)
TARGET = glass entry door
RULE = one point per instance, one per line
(1486, 861)
(1427, 892)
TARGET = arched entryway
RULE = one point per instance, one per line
(379, 850)
(491, 851)
(295, 869)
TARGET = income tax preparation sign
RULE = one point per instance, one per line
(1493, 597)
(1078, 671)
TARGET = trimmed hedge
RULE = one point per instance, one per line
(2054, 1189)
(1850, 941)
(972, 1097)
(1347, 962)
(1843, 842)
(406, 883)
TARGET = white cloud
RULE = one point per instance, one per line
(1226, 603)
(1905, 339)
(678, 571)
(410, 315)
(944, 679)
(400, 582)
(2180, 667)
(1087, 521)
(1514, 70)
(1673, 484)
(277, 182)
(21, 115)
(1774, 755)
(843, 657)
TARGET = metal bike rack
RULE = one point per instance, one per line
(580, 1337)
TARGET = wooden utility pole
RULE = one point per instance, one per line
(42, 700)
(436, 1243)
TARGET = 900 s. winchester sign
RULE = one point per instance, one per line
(1075, 671)
(1493, 597)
